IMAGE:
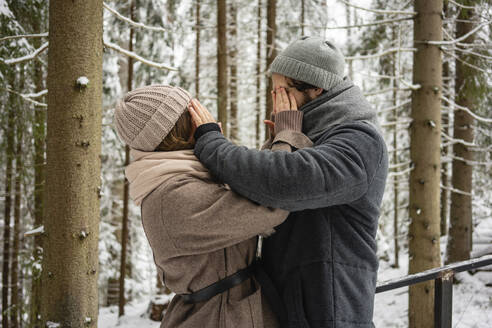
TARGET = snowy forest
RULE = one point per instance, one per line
(74, 252)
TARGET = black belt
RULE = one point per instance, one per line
(220, 286)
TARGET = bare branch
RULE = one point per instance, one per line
(460, 5)
(378, 11)
(374, 93)
(27, 57)
(462, 38)
(381, 22)
(26, 97)
(137, 57)
(380, 54)
(460, 141)
(399, 173)
(131, 22)
(456, 191)
(466, 109)
(13, 37)
(392, 108)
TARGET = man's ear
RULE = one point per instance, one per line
(318, 91)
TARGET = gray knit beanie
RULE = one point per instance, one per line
(313, 60)
(146, 115)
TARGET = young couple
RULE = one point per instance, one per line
(311, 196)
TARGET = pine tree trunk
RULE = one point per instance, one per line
(445, 150)
(459, 240)
(395, 161)
(197, 50)
(73, 148)
(258, 77)
(124, 221)
(270, 54)
(9, 155)
(424, 232)
(303, 21)
(14, 271)
(222, 79)
(39, 135)
(234, 92)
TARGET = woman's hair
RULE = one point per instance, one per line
(179, 137)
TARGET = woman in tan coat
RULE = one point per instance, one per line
(200, 231)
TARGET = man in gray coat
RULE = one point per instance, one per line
(322, 260)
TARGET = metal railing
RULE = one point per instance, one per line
(443, 291)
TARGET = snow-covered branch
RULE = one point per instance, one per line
(467, 161)
(13, 37)
(456, 190)
(27, 97)
(462, 38)
(26, 57)
(395, 166)
(398, 149)
(387, 124)
(399, 173)
(392, 108)
(37, 94)
(463, 142)
(380, 54)
(380, 22)
(466, 109)
(137, 57)
(379, 11)
(131, 22)
(35, 232)
(460, 5)
(410, 85)
(378, 92)
(465, 62)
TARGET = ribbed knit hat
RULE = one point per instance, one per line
(146, 115)
(313, 60)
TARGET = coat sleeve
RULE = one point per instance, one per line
(203, 216)
(336, 171)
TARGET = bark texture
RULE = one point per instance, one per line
(70, 260)
(460, 228)
(222, 79)
(424, 231)
(197, 49)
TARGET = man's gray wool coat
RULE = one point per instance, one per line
(322, 259)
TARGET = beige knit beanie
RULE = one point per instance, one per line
(146, 115)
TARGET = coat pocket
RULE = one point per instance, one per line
(246, 311)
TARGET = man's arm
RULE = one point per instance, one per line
(337, 171)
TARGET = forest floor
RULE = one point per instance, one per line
(472, 295)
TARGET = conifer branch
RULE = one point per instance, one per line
(13, 37)
(137, 57)
(380, 54)
(131, 22)
(466, 109)
(31, 56)
(379, 11)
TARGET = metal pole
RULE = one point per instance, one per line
(443, 301)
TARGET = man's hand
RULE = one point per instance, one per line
(282, 101)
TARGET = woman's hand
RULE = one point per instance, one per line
(199, 114)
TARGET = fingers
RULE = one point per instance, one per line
(195, 118)
(283, 102)
(271, 126)
(199, 114)
(293, 103)
(274, 101)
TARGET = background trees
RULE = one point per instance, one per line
(178, 42)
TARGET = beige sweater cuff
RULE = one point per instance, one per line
(288, 120)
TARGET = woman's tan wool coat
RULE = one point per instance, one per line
(201, 231)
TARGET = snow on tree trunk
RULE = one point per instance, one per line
(424, 230)
(70, 259)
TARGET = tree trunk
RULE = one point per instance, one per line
(124, 221)
(222, 82)
(459, 240)
(73, 148)
(303, 21)
(258, 77)
(14, 270)
(445, 150)
(395, 161)
(197, 50)
(9, 155)
(234, 93)
(39, 134)
(424, 231)
(270, 54)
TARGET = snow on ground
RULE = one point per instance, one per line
(472, 303)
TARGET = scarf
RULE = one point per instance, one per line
(148, 170)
